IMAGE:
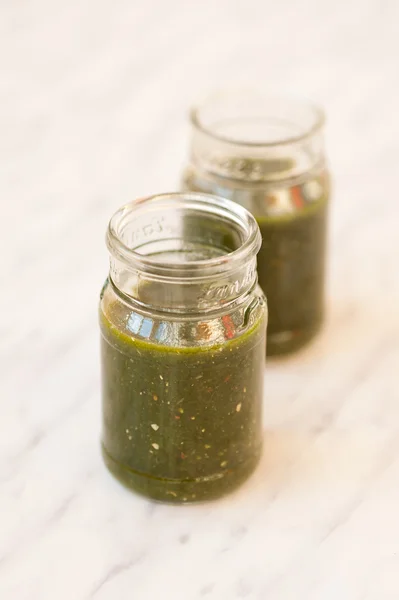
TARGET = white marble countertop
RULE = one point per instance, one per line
(93, 97)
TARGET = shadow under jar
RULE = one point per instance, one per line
(266, 153)
(183, 325)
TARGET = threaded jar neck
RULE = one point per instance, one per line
(183, 252)
(255, 137)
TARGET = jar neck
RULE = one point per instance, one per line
(196, 296)
(255, 139)
(184, 253)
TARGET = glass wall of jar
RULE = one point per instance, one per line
(183, 325)
(266, 153)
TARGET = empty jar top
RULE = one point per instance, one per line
(255, 136)
(183, 251)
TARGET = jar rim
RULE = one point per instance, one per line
(192, 269)
(317, 121)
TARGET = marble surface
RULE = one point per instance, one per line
(93, 98)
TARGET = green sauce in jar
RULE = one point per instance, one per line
(183, 349)
(266, 153)
(291, 267)
(291, 261)
(182, 424)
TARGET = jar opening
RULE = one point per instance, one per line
(185, 235)
(256, 138)
(250, 118)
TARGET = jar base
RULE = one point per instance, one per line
(181, 491)
(288, 342)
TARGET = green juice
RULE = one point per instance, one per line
(181, 424)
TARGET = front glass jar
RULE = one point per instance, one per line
(266, 153)
(183, 325)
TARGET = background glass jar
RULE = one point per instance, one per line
(183, 326)
(266, 153)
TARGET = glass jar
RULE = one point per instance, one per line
(183, 325)
(266, 153)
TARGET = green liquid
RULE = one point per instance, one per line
(181, 424)
(291, 265)
(291, 262)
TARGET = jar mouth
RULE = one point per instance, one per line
(253, 119)
(191, 236)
